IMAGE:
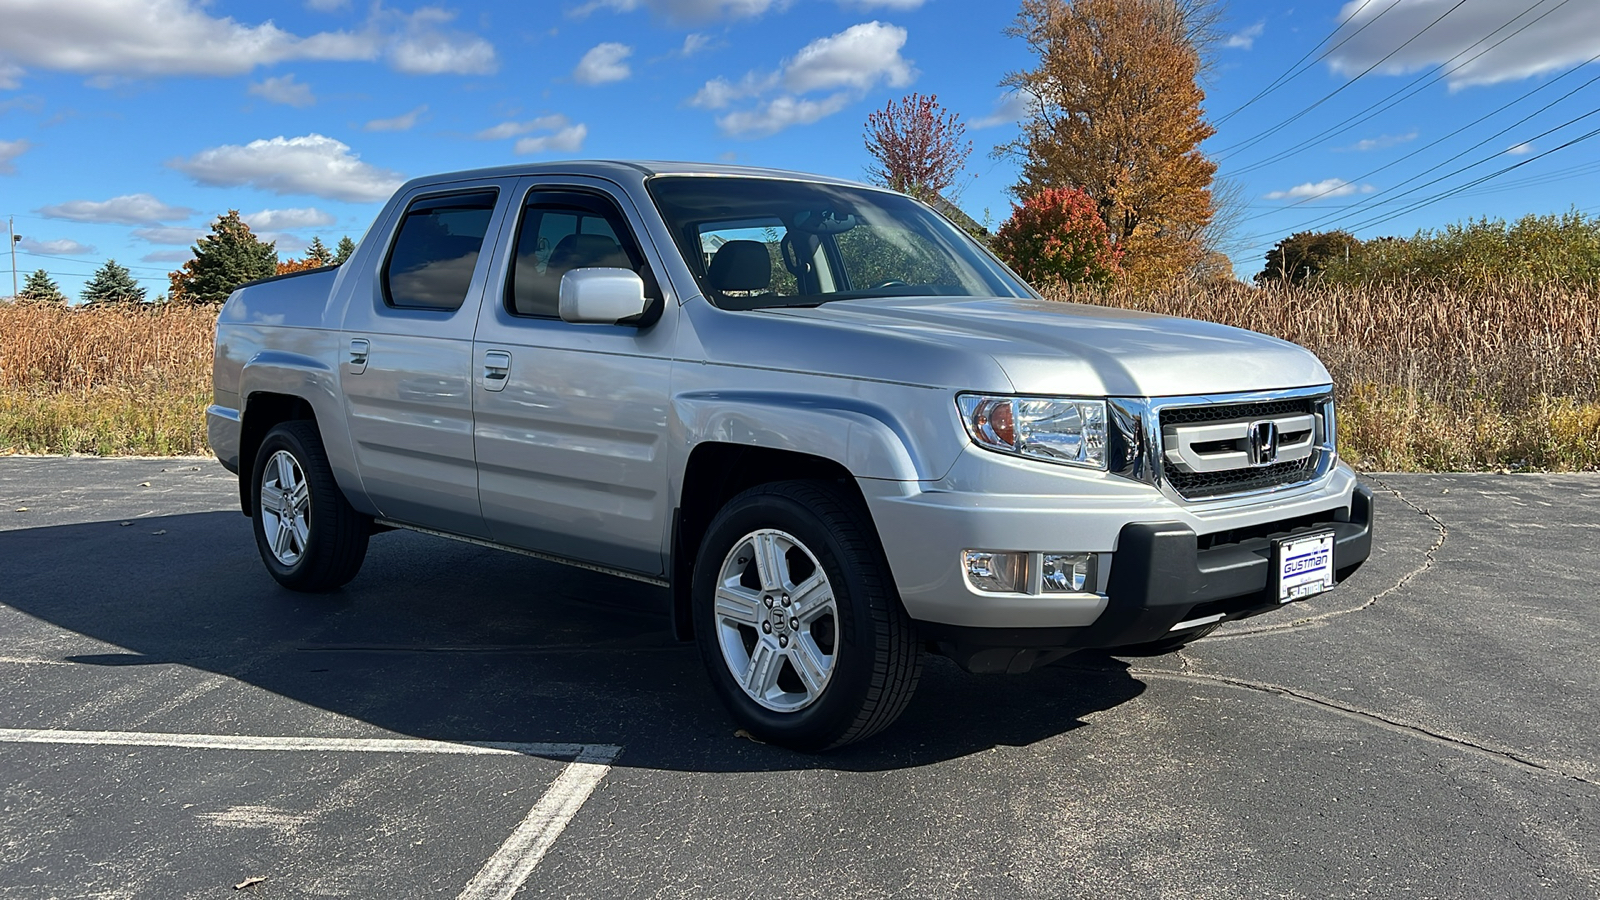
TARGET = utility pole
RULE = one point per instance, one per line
(11, 225)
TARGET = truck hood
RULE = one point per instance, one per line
(1047, 347)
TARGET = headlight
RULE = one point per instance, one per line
(1054, 429)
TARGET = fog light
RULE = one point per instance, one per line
(1064, 572)
(995, 572)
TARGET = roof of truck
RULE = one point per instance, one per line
(615, 170)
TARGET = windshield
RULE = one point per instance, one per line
(756, 243)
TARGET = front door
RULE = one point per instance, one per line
(571, 420)
(407, 368)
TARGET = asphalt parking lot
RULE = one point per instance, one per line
(460, 722)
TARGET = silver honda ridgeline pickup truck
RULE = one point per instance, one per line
(833, 426)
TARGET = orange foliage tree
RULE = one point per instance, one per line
(1114, 111)
(1057, 237)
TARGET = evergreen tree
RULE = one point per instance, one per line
(230, 256)
(40, 288)
(112, 284)
(343, 251)
(319, 253)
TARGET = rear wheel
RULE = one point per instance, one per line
(309, 536)
(797, 619)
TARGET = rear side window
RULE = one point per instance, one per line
(561, 231)
(430, 265)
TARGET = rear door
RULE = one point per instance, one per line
(571, 420)
(407, 369)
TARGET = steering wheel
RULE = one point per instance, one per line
(893, 282)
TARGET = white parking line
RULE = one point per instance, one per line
(510, 866)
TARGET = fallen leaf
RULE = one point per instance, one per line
(253, 879)
(22, 509)
(124, 524)
(144, 484)
(741, 733)
(162, 531)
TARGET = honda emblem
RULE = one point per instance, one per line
(1263, 443)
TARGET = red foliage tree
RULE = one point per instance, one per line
(918, 146)
(1057, 236)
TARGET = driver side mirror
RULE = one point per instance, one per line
(601, 296)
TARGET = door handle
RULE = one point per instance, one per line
(358, 355)
(496, 370)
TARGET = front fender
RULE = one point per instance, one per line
(867, 439)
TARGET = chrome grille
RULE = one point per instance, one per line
(1237, 476)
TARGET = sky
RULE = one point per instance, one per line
(126, 127)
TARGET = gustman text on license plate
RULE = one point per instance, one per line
(1305, 566)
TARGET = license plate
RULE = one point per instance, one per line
(1305, 565)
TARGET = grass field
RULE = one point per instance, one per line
(1427, 379)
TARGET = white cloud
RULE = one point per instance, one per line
(424, 47)
(693, 43)
(181, 235)
(858, 57)
(1328, 187)
(129, 209)
(284, 90)
(1246, 39)
(846, 64)
(280, 219)
(512, 129)
(687, 10)
(780, 113)
(312, 164)
(9, 151)
(1522, 149)
(603, 64)
(402, 122)
(567, 140)
(58, 247)
(1009, 109)
(10, 76)
(111, 39)
(1568, 35)
(1381, 142)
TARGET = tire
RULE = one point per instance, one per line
(320, 546)
(1164, 645)
(850, 667)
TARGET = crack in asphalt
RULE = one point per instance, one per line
(1499, 754)
(1429, 558)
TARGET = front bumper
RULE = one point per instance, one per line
(1165, 566)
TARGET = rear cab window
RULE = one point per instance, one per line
(436, 250)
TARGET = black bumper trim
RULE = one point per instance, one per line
(1159, 577)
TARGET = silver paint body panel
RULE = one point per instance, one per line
(581, 453)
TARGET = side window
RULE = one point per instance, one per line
(559, 232)
(430, 265)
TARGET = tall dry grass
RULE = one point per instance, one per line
(1430, 378)
(105, 380)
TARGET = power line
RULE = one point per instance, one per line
(72, 259)
(1328, 219)
(1407, 91)
(1434, 143)
(1246, 144)
(1285, 77)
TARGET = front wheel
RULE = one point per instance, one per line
(308, 534)
(797, 619)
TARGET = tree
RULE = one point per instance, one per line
(343, 250)
(1304, 255)
(1115, 112)
(1057, 237)
(112, 284)
(319, 253)
(230, 256)
(40, 288)
(918, 146)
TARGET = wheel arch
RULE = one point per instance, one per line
(715, 473)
